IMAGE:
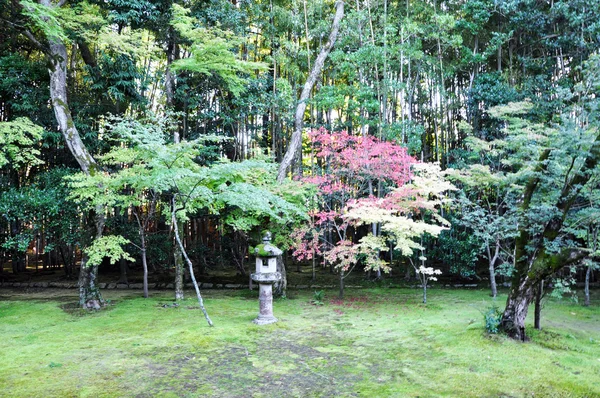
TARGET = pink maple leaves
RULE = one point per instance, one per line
(349, 161)
(349, 170)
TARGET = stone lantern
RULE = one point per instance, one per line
(266, 275)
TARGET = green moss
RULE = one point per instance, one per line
(377, 342)
(266, 250)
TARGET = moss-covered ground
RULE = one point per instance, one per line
(375, 343)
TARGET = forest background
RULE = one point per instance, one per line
(122, 122)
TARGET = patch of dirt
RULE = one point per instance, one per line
(75, 310)
(279, 367)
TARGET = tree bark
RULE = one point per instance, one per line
(89, 295)
(280, 288)
(296, 139)
(517, 305)
(145, 266)
(341, 295)
(539, 293)
(588, 273)
(178, 257)
(58, 97)
(187, 259)
(492, 263)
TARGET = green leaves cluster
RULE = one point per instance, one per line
(146, 168)
(19, 143)
(110, 246)
(213, 51)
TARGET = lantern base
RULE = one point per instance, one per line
(264, 320)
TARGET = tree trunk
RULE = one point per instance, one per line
(493, 280)
(517, 305)
(296, 140)
(538, 306)
(341, 295)
(492, 263)
(588, 273)
(280, 288)
(89, 295)
(179, 270)
(123, 271)
(178, 240)
(145, 266)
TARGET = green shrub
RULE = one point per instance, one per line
(492, 318)
(318, 298)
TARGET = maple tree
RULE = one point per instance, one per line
(362, 180)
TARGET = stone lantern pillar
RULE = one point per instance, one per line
(266, 275)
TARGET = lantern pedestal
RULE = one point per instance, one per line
(266, 275)
(265, 299)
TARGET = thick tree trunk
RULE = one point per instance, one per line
(58, 97)
(517, 305)
(89, 295)
(530, 271)
(295, 144)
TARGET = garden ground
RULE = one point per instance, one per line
(376, 343)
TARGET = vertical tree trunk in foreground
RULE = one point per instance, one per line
(296, 139)
(89, 295)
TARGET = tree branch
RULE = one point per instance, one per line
(296, 139)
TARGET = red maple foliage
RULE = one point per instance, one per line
(348, 168)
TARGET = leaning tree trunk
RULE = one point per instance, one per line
(530, 270)
(187, 259)
(296, 139)
(89, 295)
